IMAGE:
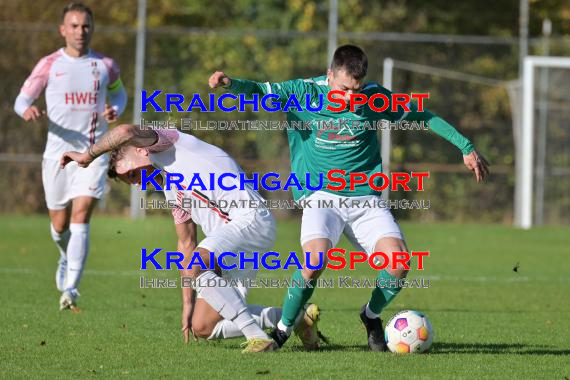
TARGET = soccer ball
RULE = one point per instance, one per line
(408, 332)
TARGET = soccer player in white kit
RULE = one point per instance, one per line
(218, 311)
(77, 82)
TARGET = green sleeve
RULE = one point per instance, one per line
(281, 89)
(442, 128)
(436, 123)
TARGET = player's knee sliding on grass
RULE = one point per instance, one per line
(208, 324)
(224, 300)
(239, 229)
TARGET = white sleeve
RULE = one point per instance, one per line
(34, 85)
(118, 99)
(23, 102)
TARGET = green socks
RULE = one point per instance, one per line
(383, 294)
(296, 297)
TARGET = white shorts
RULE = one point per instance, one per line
(62, 185)
(248, 233)
(362, 226)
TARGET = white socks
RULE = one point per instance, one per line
(77, 250)
(228, 303)
(289, 329)
(286, 329)
(61, 240)
(265, 317)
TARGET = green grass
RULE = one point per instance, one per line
(489, 321)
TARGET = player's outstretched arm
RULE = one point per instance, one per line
(248, 87)
(125, 134)
(241, 86)
(472, 159)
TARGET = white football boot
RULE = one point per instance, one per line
(67, 300)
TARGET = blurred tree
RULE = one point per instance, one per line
(277, 40)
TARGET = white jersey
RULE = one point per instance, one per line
(76, 89)
(177, 152)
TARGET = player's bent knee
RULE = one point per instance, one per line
(82, 208)
(59, 220)
(400, 271)
(202, 327)
(60, 227)
(201, 330)
(312, 274)
(390, 244)
(80, 216)
(317, 258)
(317, 245)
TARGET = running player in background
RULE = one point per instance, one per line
(355, 150)
(207, 311)
(77, 82)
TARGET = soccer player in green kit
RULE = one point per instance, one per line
(355, 150)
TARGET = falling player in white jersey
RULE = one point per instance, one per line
(218, 312)
(77, 81)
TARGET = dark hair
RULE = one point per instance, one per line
(77, 7)
(351, 59)
(115, 156)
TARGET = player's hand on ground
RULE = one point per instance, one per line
(186, 321)
(478, 164)
(219, 79)
(82, 159)
(33, 113)
(110, 114)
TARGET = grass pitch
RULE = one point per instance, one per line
(490, 321)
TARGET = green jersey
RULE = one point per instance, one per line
(339, 140)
